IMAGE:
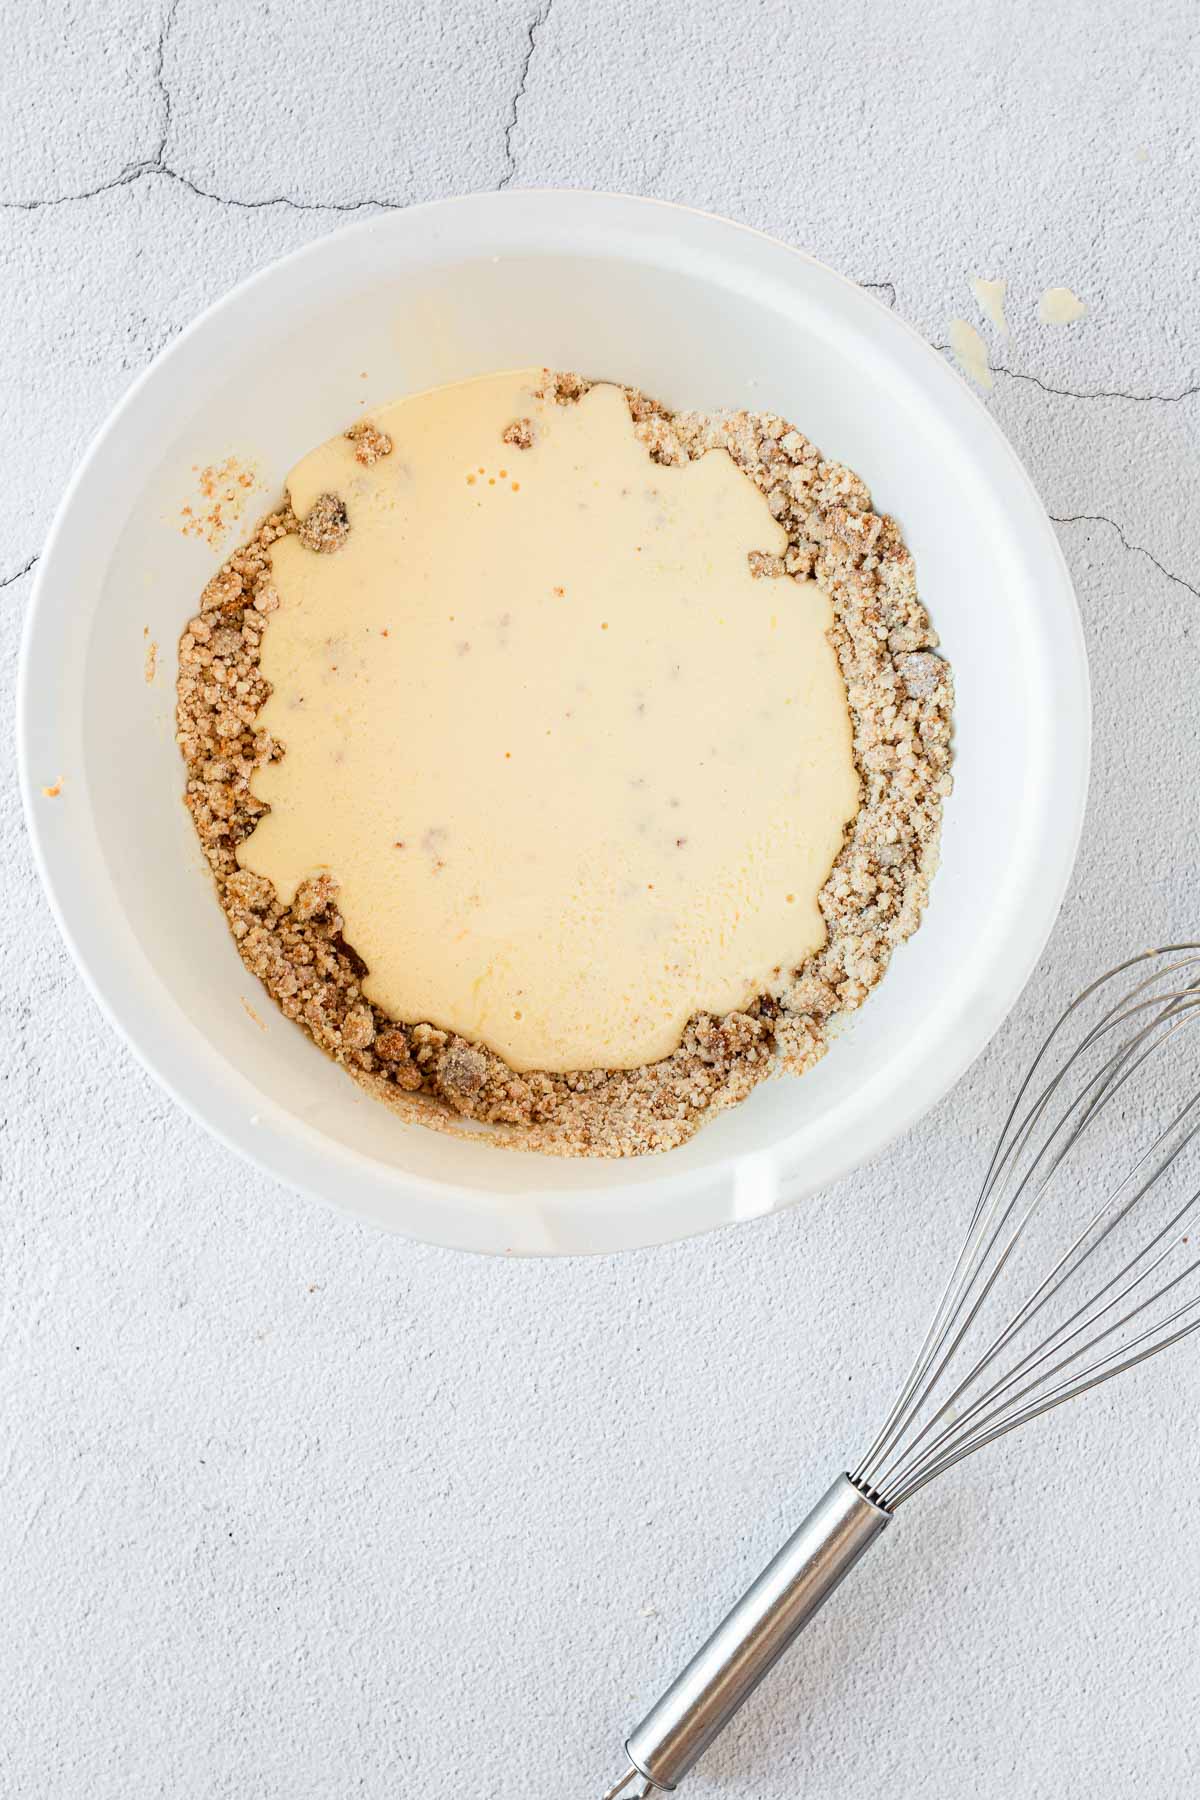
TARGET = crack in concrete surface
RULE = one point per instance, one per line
(531, 31)
(1047, 387)
(1184, 393)
(1133, 549)
(160, 60)
(17, 574)
(143, 171)
(157, 165)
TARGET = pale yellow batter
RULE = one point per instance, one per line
(1059, 306)
(577, 772)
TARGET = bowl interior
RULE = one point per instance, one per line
(700, 314)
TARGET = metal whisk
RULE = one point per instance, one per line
(1083, 1216)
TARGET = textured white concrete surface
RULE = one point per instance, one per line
(290, 1509)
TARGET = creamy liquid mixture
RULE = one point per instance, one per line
(1059, 306)
(577, 772)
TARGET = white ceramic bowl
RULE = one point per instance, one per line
(701, 313)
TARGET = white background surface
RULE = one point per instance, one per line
(291, 1509)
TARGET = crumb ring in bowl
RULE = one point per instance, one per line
(899, 692)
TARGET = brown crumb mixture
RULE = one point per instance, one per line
(370, 443)
(226, 486)
(763, 564)
(519, 434)
(900, 694)
(325, 526)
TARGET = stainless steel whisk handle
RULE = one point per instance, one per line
(752, 1637)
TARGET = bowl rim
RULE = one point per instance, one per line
(750, 1184)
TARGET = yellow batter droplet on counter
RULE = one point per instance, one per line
(970, 352)
(542, 903)
(990, 296)
(1059, 306)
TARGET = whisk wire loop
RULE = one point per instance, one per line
(952, 1401)
(1057, 1397)
(978, 1435)
(1090, 1310)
